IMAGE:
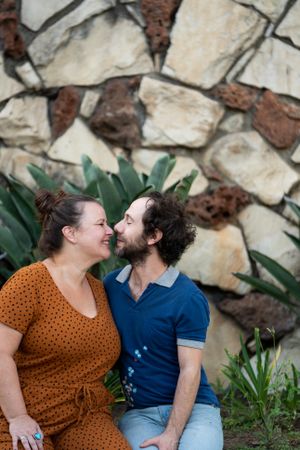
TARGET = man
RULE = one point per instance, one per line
(162, 318)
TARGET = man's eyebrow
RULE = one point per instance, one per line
(129, 217)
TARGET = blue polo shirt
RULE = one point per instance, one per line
(171, 311)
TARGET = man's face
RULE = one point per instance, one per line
(131, 243)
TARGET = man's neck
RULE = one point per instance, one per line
(148, 271)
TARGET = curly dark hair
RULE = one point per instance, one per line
(167, 214)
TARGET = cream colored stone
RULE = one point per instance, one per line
(275, 66)
(136, 14)
(233, 123)
(223, 333)
(240, 64)
(89, 103)
(8, 85)
(296, 155)
(144, 160)
(246, 159)
(264, 232)
(29, 76)
(270, 8)
(104, 50)
(79, 140)
(176, 115)
(215, 256)
(289, 27)
(24, 121)
(288, 212)
(44, 47)
(14, 161)
(205, 41)
(290, 353)
(35, 12)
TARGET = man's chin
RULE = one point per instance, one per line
(119, 252)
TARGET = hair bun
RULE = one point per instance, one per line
(45, 201)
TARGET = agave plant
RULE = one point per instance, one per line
(262, 390)
(20, 229)
(290, 294)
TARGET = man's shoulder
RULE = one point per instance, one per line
(185, 282)
(111, 277)
(189, 289)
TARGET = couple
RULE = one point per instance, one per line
(58, 338)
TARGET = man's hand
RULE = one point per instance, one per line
(164, 441)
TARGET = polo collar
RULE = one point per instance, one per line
(167, 279)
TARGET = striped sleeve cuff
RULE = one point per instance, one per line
(190, 343)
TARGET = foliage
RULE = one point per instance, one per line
(263, 392)
(290, 294)
(112, 383)
(20, 230)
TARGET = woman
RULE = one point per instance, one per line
(58, 338)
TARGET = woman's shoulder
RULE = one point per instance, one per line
(27, 274)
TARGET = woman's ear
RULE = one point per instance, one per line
(69, 233)
(156, 237)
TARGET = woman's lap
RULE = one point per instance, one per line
(96, 432)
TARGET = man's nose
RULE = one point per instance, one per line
(118, 227)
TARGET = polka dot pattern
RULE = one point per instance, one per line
(61, 361)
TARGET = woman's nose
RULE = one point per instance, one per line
(109, 230)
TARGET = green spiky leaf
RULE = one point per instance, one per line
(41, 178)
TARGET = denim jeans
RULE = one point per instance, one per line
(203, 430)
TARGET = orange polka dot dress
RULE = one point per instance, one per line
(61, 362)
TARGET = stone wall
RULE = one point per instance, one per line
(215, 83)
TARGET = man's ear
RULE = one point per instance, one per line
(156, 237)
(69, 233)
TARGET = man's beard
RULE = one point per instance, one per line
(135, 252)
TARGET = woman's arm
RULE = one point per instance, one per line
(11, 398)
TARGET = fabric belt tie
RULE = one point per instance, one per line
(86, 400)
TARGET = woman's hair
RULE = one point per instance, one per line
(165, 213)
(55, 212)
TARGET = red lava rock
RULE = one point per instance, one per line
(158, 15)
(13, 43)
(115, 117)
(64, 110)
(278, 122)
(217, 207)
(260, 311)
(236, 96)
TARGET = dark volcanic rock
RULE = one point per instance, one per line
(64, 110)
(260, 311)
(13, 43)
(219, 206)
(236, 96)
(158, 15)
(115, 117)
(278, 122)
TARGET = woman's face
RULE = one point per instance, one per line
(93, 233)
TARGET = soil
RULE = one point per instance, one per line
(249, 439)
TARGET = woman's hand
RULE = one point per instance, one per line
(23, 428)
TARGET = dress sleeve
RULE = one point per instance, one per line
(192, 321)
(18, 298)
